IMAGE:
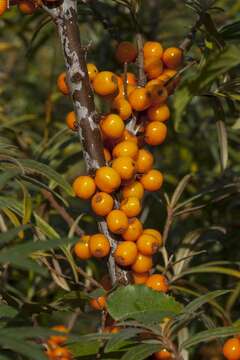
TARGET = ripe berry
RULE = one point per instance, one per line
(60, 353)
(152, 181)
(3, 6)
(131, 206)
(117, 221)
(153, 67)
(125, 148)
(71, 121)
(126, 52)
(102, 203)
(92, 71)
(163, 355)
(154, 233)
(125, 166)
(58, 339)
(125, 253)
(172, 57)
(144, 161)
(134, 189)
(157, 94)
(142, 264)
(26, 7)
(158, 113)
(62, 84)
(122, 108)
(130, 79)
(158, 282)
(112, 126)
(152, 48)
(105, 83)
(82, 249)
(140, 278)
(155, 133)
(99, 245)
(133, 231)
(107, 155)
(128, 136)
(231, 349)
(140, 99)
(84, 187)
(107, 179)
(147, 244)
(98, 303)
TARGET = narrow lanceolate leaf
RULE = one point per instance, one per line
(179, 190)
(141, 352)
(45, 228)
(27, 205)
(10, 235)
(119, 340)
(29, 350)
(210, 269)
(201, 300)
(223, 143)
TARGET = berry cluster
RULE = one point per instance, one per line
(55, 345)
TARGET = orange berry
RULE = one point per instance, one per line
(125, 253)
(105, 83)
(3, 6)
(157, 93)
(84, 187)
(99, 245)
(140, 278)
(71, 121)
(99, 303)
(152, 48)
(140, 99)
(147, 244)
(144, 161)
(133, 231)
(153, 67)
(134, 189)
(115, 330)
(82, 249)
(112, 126)
(158, 282)
(122, 107)
(142, 264)
(117, 221)
(61, 352)
(107, 155)
(231, 349)
(55, 340)
(128, 136)
(62, 84)
(166, 75)
(154, 233)
(131, 206)
(102, 203)
(130, 79)
(152, 83)
(107, 179)
(155, 133)
(26, 7)
(163, 355)
(92, 71)
(126, 52)
(172, 57)
(125, 148)
(158, 113)
(125, 166)
(152, 180)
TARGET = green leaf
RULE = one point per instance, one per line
(141, 352)
(141, 303)
(119, 340)
(45, 228)
(31, 351)
(179, 190)
(85, 348)
(12, 204)
(7, 311)
(231, 31)
(201, 300)
(210, 269)
(10, 235)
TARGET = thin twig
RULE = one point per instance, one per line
(140, 60)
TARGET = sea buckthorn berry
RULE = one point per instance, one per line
(3, 6)
(125, 253)
(128, 136)
(147, 244)
(142, 264)
(152, 83)
(130, 79)
(122, 107)
(58, 339)
(82, 248)
(71, 121)
(140, 278)
(115, 330)
(107, 179)
(125, 166)
(144, 161)
(155, 133)
(134, 189)
(158, 282)
(172, 57)
(131, 206)
(112, 126)
(99, 245)
(152, 180)
(152, 48)
(26, 7)
(134, 230)
(62, 84)
(92, 71)
(158, 113)
(126, 52)
(140, 99)
(157, 93)
(117, 221)
(163, 355)
(61, 352)
(125, 148)
(105, 83)
(107, 155)
(98, 303)
(153, 67)
(84, 187)
(166, 75)
(102, 203)
(154, 233)
(231, 349)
